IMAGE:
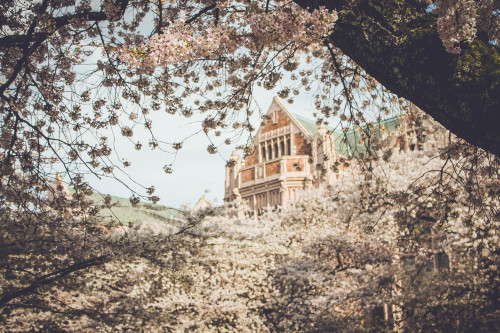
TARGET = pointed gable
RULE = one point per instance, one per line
(284, 118)
(202, 204)
(277, 119)
(280, 120)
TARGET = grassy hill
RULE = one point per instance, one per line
(124, 213)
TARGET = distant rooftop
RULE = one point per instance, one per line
(352, 147)
(309, 124)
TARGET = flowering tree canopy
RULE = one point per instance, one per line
(445, 60)
(76, 73)
(442, 55)
(410, 239)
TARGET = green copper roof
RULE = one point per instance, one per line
(356, 147)
(352, 147)
(309, 125)
(312, 128)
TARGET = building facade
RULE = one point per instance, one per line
(290, 153)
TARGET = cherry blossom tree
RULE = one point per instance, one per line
(441, 55)
(405, 247)
(396, 250)
(76, 72)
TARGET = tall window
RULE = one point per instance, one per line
(282, 146)
(270, 152)
(443, 261)
(288, 147)
(276, 151)
(263, 154)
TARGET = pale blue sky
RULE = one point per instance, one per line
(195, 170)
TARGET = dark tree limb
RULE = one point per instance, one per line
(397, 43)
(59, 22)
(201, 12)
(51, 278)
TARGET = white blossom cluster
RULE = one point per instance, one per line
(321, 264)
(460, 20)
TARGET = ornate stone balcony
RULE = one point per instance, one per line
(275, 133)
(281, 168)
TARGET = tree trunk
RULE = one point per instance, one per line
(397, 43)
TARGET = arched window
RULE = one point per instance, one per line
(282, 146)
(263, 154)
(276, 151)
(288, 147)
(270, 152)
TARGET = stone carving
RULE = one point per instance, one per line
(237, 195)
(260, 172)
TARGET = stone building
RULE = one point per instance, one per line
(290, 153)
(202, 204)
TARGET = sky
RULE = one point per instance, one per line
(196, 172)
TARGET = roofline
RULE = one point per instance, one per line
(296, 121)
(292, 117)
(289, 114)
(329, 128)
(382, 122)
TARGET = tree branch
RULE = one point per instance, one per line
(52, 277)
(397, 43)
(16, 40)
(201, 12)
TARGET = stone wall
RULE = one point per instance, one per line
(272, 168)
(253, 158)
(302, 148)
(293, 165)
(269, 126)
(247, 175)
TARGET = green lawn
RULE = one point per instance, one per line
(122, 212)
